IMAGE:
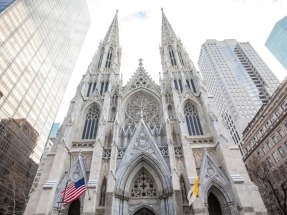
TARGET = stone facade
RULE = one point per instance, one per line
(265, 148)
(143, 144)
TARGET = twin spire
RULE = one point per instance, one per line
(167, 32)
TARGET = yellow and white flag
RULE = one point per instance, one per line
(193, 193)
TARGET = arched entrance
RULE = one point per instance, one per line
(75, 208)
(213, 205)
(144, 211)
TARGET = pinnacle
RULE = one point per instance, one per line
(113, 32)
(167, 32)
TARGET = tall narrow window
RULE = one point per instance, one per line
(183, 189)
(191, 85)
(180, 85)
(106, 87)
(172, 57)
(109, 59)
(101, 59)
(102, 88)
(180, 57)
(89, 89)
(192, 119)
(103, 192)
(91, 123)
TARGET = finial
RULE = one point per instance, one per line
(117, 11)
(141, 63)
(161, 9)
(141, 114)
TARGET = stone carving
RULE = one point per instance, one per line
(143, 187)
(142, 144)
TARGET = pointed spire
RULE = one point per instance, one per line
(167, 32)
(113, 32)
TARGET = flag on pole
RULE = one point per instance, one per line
(74, 191)
(192, 194)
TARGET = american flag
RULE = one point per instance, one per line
(74, 191)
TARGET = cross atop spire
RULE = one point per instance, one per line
(113, 32)
(167, 32)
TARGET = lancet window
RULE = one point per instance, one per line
(101, 59)
(104, 87)
(145, 105)
(91, 123)
(103, 192)
(109, 58)
(180, 56)
(143, 186)
(191, 85)
(91, 88)
(192, 119)
(172, 57)
(178, 85)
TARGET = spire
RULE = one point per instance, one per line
(167, 32)
(113, 32)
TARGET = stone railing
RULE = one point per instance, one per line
(200, 140)
(83, 144)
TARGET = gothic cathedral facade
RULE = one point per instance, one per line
(142, 145)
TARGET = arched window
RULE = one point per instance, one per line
(192, 119)
(191, 85)
(109, 58)
(169, 110)
(103, 192)
(180, 56)
(91, 123)
(101, 59)
(172, 57)
(75, 208)
(91, 89)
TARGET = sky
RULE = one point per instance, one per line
(194, 21)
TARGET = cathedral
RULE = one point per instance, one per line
(140, 147)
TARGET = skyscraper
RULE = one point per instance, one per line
(277, 41)
(39, 45)
(142, 145)
(238, 79)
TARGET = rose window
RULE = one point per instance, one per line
(144, 105)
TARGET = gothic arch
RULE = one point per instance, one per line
(152, 165)
(90, 121)
(142, 208)
(193, 118)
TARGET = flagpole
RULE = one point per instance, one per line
(63, 197)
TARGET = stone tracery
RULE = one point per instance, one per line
(143, 186)
(145, 104)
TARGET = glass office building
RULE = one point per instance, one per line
(277, 41)
(239, 80)
(39, 45)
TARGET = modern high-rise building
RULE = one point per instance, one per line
(39, 45)
(238, 79)
(140, 147)
(277, 41)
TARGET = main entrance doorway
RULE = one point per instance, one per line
(213, 205)
(144, 211)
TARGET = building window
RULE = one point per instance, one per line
(101, 59)
(103, 192)
(264, 150)
(269, 161)
(281, 132)
(180, 56)
(175, 84)
(282, 152)
(192, 119)
(143, 187)
(104, 87)
(191, 85)
(276, 158)
(172, 57)
(275, 139)
(91, 88)
(269, 145)
(109, 58)
(91, 123)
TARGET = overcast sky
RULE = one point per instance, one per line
(193, 21)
